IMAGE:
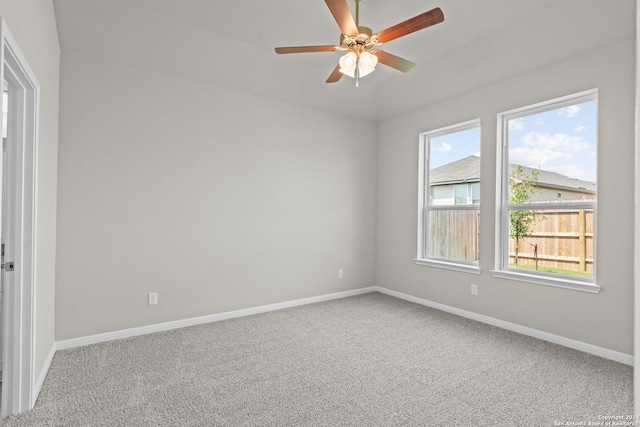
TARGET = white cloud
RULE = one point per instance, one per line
(580, 128)
(516, 124)
(443, 148)
(570, 111)
(477, 154)
(559, 141)
(539, 121)
(535, 157)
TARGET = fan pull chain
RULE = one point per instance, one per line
(357, 73)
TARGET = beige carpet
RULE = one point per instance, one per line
(369, 360)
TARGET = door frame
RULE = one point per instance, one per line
(18, 390)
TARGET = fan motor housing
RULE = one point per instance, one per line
(363, 38)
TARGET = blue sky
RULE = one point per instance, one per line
(561, 140)
(454, 146)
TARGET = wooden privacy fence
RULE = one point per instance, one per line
(454, 234)
(564, 238)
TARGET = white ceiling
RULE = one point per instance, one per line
(229, 44)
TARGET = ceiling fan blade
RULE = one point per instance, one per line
(305, 49)
(340, 11)
(394, 61)
(427, 19)
(335, 75)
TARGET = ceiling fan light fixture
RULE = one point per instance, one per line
(359, 41)
(367, 63)
(363, 64)
(348, 64)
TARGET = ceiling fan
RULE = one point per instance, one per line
(361, 44)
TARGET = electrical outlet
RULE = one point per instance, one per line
(340, 274)
(153, 298)
(474, 289)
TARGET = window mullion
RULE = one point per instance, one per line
(550, 206)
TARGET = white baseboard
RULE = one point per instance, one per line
(159, 327)
(616, 356)
(37, 386)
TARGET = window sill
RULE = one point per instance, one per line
(465, 268)
(575, 285)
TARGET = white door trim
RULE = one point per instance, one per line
(19, 314)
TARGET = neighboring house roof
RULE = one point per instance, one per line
(468, 170)
(460, 171)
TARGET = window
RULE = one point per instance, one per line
(548, 192)
(475, 193)
(449, 197)
(460, 194)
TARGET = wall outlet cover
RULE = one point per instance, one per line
(153, 298)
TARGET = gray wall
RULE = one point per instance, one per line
(214, 199)
(32, 23)
(605, 319)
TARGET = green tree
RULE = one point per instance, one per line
(522, 186)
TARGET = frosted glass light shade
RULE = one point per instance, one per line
(367, 63)
(348, 64)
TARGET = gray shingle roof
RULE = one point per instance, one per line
(463, 170)
(468, 170)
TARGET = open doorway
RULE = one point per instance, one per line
(17, 228)
(3, 166)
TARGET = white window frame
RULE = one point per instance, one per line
(502, 269)
(423, 201)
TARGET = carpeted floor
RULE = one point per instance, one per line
(369, 360)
